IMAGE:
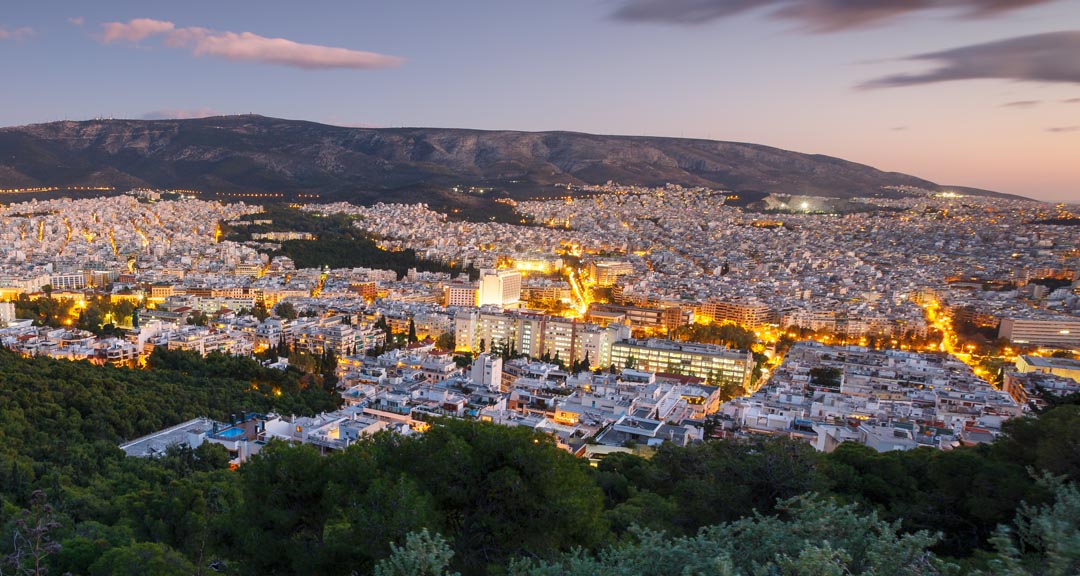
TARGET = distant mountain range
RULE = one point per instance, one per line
(231, 154)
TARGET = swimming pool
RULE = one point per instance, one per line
(230, 433)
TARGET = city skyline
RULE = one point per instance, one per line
(964, 92)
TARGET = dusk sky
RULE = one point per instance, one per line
(982, 93)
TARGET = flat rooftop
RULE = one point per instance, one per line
(1047, 362)
(156, 443)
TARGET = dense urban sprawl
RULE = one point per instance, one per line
(600, 318)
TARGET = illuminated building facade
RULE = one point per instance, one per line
(716, 364)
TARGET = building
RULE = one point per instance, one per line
(716, 364)
(644, 318)
(748, 314)
(1032, 388)
(487, 372)
(606, 272)
(1064, 367)
(536, 335)
(367, 290)
(7, 313)
(327, 334)
(1051, 331)
(500, 287)
(69, 281)
(465, 295)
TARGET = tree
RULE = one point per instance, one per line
(445, 341)
(412, 332)
(422, 555)
(259, 311)
(143, 558)
(197, 318)
(482, 347)
(279, 527)
(826, 377)
(503, 492)
(123, 310)
(585, 363)
(33, 538)
(1048, 442)
(375, 506)
(91, 318)
(286, 310)
(814, 537)
(1043, 540)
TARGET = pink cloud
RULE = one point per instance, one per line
(180, 113)
(16, 34)
(76, 21)
(134, 30)
(246, 46)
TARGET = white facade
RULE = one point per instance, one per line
(487, 372)
(7, 313)
(500, 288)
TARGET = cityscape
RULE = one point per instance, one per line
(578, 334)
(693, 314)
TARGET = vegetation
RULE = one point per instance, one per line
(97, 314)
(340, 244)
(730, 335)
(476, 498)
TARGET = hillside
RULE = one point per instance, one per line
(255, 154)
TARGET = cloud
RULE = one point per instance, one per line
(245, 46)
(1071, 101)
(1049, 57)
(1061, 129)
(135, 30)
(76, 20)
(179, 114)
(1022, 104)
(815, 15)
(16, 34)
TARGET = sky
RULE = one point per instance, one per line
(982, 93)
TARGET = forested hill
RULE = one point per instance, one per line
(479, 498)
(255, 154)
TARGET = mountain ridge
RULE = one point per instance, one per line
(251, 153)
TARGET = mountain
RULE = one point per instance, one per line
(255, 154)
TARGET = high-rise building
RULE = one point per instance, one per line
(500, 287)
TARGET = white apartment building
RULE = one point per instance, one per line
(500, 287)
